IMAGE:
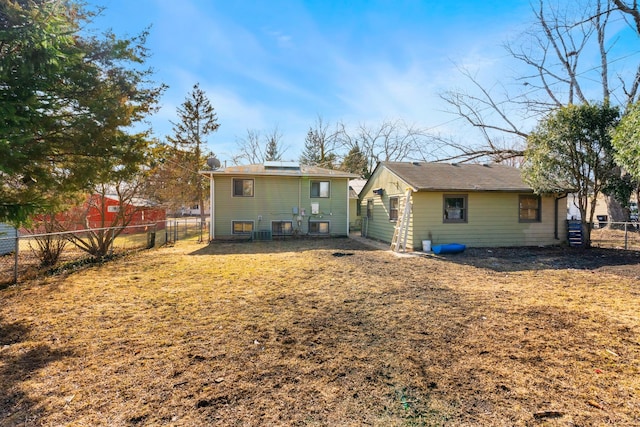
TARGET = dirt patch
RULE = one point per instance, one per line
(617, 261)
(326, 332)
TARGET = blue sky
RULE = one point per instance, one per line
(284, 63)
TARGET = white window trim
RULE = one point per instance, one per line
(233, 186)
(281, 221)
(244, 233)
(320, 222)
(319, 181)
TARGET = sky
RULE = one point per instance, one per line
(282, 64)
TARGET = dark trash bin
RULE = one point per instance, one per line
(603, 220)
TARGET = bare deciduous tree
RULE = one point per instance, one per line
(98, 241)
(256, 148)
(321, 146)
(389, 140)
(554, 49)
(558, 50)
(249, 148)
(631, 10)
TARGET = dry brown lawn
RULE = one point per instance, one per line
(326, 333)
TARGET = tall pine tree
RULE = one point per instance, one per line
(356, 162)
(197, 120)
(316, 152)
(68, 102)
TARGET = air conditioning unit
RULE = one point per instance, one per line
(262, 235)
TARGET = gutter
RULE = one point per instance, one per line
(555, 220)
(212, 216)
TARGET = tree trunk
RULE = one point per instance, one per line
(615, 210)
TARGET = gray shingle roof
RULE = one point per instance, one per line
(283, 170)
(425, 176)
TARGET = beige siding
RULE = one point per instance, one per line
(355, 221)
(492, 217)
(380, 227)
(275, 199)
(492, 221)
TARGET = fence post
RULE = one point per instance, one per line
(151, 237)
(626, 236)
(15, 262)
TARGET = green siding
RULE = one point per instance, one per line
(492, 221)
(381, 227)
(274, 200)
(492, 217)
(355, 221)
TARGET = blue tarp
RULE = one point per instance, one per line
(449, 248)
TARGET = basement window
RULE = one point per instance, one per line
(242, 227)
(319, 227)
(282, 228)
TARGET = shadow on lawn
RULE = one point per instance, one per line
(18, 366)
(280, 246)
(555, 258)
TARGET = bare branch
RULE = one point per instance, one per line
(630, 10)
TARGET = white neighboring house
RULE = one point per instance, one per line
(573, 213)
(193, 210)
(355, 217)
(8, 236)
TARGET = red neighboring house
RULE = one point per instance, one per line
(144, 212)
(94, 214)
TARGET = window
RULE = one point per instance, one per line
(393, 208)
(242, 227)
(281, 228)
(113, 208)
(319, 227)
(370, 209)
(455, 208)
(529, 208)
(320, 188)
(242, 187)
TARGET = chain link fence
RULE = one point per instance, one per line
(616, 235)
(27, 262)
(23, 255)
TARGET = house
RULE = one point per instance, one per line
(103, 211)
(278, 199)
(192, 210)
(600, 215)
(355, 218)
(100, 211)
(473, 204)
(8, 235)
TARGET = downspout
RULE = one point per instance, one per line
(299, 221)
(348, 208)
(555, 222)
